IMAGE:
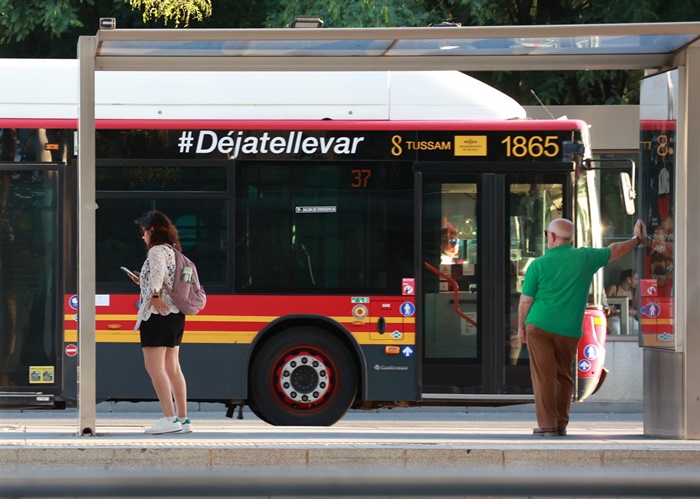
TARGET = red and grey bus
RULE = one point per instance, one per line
(315, 206)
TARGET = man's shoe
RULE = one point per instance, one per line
(164, 425)
(561, 432)
(546, 432)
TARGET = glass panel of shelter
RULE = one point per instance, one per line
(617, 226)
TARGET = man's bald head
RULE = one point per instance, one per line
(563, 229)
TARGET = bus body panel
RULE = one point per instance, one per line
(224, 332)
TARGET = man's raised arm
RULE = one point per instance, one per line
(623, 247)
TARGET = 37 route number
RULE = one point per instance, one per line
(360, 178)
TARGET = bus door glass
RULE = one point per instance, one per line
(30, 276)
(451, 283)
(533, 201)
(479, 235)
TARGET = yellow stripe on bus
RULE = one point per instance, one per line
(228, 337)
(240, 318)
(660, 322)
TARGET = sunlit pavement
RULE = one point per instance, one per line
(397, 439)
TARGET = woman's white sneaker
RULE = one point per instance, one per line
(165, 425)
(186, 426)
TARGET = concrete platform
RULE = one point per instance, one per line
(391, 439)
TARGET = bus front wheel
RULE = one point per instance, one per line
(303, 377)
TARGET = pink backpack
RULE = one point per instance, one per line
(187, 292)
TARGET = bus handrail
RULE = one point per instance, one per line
(455, 288)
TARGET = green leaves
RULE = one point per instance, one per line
(19, 18)
(180, 12)
(350, 13)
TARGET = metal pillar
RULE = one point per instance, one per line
(691, 218)
(86, 236)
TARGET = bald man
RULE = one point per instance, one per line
(550, 316)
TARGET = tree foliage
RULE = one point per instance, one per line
(178, 11)
(20, 18)
(50, 28)
(350, 13)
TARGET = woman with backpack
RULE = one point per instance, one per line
(161, 324)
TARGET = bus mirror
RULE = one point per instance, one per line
(627, 193)
(572, 151)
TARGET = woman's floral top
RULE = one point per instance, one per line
(158, 268)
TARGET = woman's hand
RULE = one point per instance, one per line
(160, 306)
(137, 279)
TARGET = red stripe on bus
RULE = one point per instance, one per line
(657, 125)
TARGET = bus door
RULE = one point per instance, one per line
(31, 311)
(479, 232)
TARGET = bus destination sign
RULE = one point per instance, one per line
(414, 145)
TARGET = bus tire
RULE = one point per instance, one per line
(254, 409)
(303, 377)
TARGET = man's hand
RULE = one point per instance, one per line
(621, 248)
(522, 335)
(523, 309)
(640, 230)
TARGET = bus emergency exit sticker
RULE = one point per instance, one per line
(315, 209)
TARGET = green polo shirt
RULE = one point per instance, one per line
(559, 282)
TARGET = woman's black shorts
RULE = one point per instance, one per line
(163, 330)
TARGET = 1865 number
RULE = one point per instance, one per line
(536, 146)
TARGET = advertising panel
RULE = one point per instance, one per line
(658, 111)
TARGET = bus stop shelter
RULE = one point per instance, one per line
(671, 394)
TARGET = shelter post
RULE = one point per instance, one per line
(86, 236)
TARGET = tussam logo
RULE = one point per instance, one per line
(234, 143)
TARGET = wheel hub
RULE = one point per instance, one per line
(304, 378)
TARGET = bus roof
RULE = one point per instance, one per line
(48, 89)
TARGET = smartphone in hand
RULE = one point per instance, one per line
(128, 272)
